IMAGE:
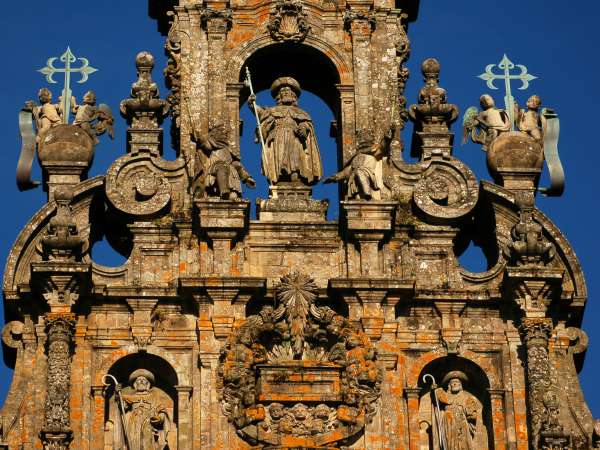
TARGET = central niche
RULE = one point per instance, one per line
(317, 81)
(299, 374)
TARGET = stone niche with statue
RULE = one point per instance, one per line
(288, 330)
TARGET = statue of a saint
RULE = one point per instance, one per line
(460, 414)
(491, 122)
(291, 151)
(224, 172)
(531, 122)
(147, 422)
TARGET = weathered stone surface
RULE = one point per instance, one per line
(292, 331)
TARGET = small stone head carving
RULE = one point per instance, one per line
(285, 91)
(141, 380)
(276, 411)
(486, 101)
(534, 102)
(44, 95)
(89, 98)
(454, 380)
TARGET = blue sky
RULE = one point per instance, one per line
(556, 40)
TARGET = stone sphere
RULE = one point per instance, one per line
(514, 151)
(144, 60)
(66, 143)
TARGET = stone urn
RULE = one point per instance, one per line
(66, 143)
(515, 160)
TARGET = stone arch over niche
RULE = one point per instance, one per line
(475, 403)
(319, 67)
(162, 400)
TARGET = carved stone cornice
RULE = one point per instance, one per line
(56, 433)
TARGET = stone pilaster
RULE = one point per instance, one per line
(360, 22)
(222, 221)
(369, 222)
(217, 23)
(546, 432)
(56, 433)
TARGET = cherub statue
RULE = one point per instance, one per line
(361, 171)
(95, 120)
(47, 114)
(224, 171)
(531, 122)
(491, 122)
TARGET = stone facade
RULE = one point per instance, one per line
(291, 331)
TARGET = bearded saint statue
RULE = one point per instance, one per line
(291, 152)
(146, 419)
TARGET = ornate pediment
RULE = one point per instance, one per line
(298, 372)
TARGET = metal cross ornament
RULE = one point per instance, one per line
(506, 65)
(68, 58)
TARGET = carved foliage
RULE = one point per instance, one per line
(173, 76)
(265, 362)
(56, 433)
(288, 22)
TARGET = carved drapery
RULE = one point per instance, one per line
(56, 433)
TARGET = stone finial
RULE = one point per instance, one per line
(433, 112)
(145, 109)
(62, 241)
(433, 115)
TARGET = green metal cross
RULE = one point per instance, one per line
(68, 58)
(507, 65)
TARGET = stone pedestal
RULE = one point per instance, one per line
(368, 222)
(291, 203)
(65, 154)
(222, 221)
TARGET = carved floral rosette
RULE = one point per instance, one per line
(298, 372)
